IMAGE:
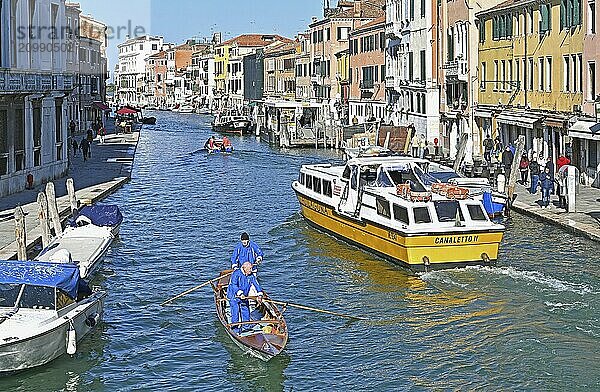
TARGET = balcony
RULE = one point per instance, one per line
(34, 82)
(451, 68)
(457, 69)
(367, 84)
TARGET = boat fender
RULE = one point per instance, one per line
(485, 258)
(92, 320)
(71, 339)
(426, 263)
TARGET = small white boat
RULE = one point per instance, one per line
(83, 245)
(185, 109)
(99, 215)
(41, 317)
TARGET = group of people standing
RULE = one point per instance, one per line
(545, 177)
(85, 145)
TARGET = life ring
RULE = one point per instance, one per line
(420, 196)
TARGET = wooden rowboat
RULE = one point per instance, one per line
(266, 337)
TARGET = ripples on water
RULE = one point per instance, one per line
(529, 323)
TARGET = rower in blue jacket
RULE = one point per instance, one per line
(244, 251)
(242, 281)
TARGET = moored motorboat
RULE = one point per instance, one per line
(149, 120)
(380, 204)
(237, 125)
(106, 215)
(267, 333)
(41, 317)
(84, 246)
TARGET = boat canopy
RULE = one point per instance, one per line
(100, 215)
(60, 276)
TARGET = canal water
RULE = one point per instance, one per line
(529, 323)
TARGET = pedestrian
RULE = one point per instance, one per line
(414, 143)
(102, 134)
(243, 283)
(561, 181)
(524, 168)
(534, 174)
(90, 139)
(547, 181)
(497, 147)
(488, 146)
(72, 127)
(75, 147)
(550, 165)
(84, 145)
(422, 145)
(246, 250)
(507, 160)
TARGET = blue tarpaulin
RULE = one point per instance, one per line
(100, 215)
(61, 276)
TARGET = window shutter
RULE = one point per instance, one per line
(576, 12)
(509, 28)
(569, 13)
(563, 14)
(544, 18)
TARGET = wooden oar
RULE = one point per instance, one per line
(312, 309)
(195, 288)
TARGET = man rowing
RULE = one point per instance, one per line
(243, 282)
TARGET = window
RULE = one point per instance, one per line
(37, 133)
(154, 47)
(496, 78)
(317, 185)
(446, 210)
(410, 66)
(580, 72)
(476, 212)
(482, 31)
(342, 33)
(570, 13)
(541, 74)
(510, 74)
(37, 297)
(531, 74)
(545, 21)
(450, 43)
(302, 178)
(483, 75)
(401, 214)
(309, 181)
(422, 8)
(421, 215)
(412, 9)
(503, 69)
(592, 154)
(3, 142)
(548, 73)
(383, 207)
(592, 81)
(422, 65)
(327, 190)
(566, 74)
(591, 17)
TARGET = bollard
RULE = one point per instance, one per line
(53, 208)
(571, 182)
(43, 217)
(20, 234)
(72, 196)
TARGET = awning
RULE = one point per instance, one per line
(33, 273)
(585, 130)
(484, 113)
(102, 106)
(555, 121)
(125, 111)
(525, 120)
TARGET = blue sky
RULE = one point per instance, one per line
(177, 20)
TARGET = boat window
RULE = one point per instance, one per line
(302, 178)
(383, 207)
(346, 172)
(37, 297)
(446, 210)
(62, 300)
(327, 191)
(383, 180)
(406, 176)
(424, 177)
(368, 176)
(354, 178)
(317, 184)
(476, 212)
(9, 294)
(401, 214)
(421, 215)
(309, 181)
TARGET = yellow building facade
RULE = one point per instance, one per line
(530, 73)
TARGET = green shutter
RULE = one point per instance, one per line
(544, 18)
(576, 12)
(509, 29)
(569, 13)
(563, 14)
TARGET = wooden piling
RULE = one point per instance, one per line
(460, 154)
(20, 234)
(43, 217)
(514, 168)
(72, 196)
(53, 208)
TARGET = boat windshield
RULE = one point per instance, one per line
(446, 210)
(405, 175)
(425, 178)
(33, 297)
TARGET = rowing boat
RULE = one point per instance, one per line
(266, 333)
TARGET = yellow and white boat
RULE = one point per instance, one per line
(380, 204)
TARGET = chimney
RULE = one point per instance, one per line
(314, 19)
(358, 9)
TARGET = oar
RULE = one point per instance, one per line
(313, 309)
(195, 288)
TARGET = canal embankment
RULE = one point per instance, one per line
(585, 221)
(95, 178)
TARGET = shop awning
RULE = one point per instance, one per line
(585, 130)
(102, 106)
(524, 120)
(484, 113)
(126, 111)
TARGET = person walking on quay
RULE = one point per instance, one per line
(90, 139)
(497, 147)
(244, 251)
(414, 143)
(72, 128)
(488, 146)
(534, 173)
(102, 133)
(85, 148)
(243, 283)
(547, 181)
(524, 168)
(75, 147)
(507, 160)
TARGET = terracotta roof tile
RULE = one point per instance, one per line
(257, 40)
(378, 21)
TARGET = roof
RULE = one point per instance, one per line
(281, 47)
(379, 21)
(257, 40)
(159, 55)
(368, 9)
(505, 5)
